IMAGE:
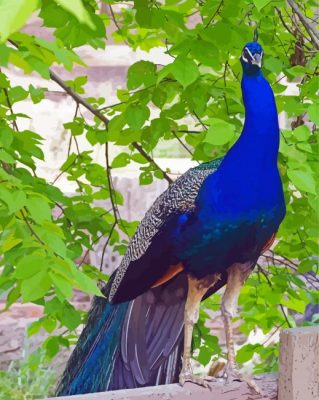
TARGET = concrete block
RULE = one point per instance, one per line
(299, 364)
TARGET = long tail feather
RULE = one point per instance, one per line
(91, 364)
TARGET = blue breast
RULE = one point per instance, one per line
(241, 205)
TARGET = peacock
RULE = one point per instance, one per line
(205, 231)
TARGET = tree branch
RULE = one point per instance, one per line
(102, 118)
(313, 33)
(283, 21)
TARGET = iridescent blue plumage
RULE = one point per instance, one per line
(240, 206)
(217, 216)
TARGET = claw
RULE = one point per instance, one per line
(233, 374)
(186, 376)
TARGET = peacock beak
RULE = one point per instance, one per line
(257, 59)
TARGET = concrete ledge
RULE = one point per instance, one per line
(217, 391)
(299, 364)
(298, 378)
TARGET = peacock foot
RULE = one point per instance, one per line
(188, 376)
(232, 374)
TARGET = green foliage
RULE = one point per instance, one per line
(195, 100)
(29, 379)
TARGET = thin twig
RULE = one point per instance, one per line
(272, 334)
(31, 229)
(62, 172)
(182, 144)
(270, 284)
(76, 145)
(14, 122)
(105, 246)
(200, 121)
(87, 250)
(215, 13)
(188, 131)
(109, 179)
(116, 23)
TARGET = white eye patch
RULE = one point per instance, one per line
(247, 56)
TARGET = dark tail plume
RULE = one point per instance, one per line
(129, 345)
(90, 366)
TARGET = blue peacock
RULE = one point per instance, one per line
(205, 231)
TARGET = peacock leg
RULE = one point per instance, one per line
(237, 274)
(196, 290)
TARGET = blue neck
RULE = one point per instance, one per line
(259, 140)
(247, 183)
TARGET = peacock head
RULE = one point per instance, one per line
(251, 58)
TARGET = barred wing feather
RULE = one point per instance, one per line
(179, 197)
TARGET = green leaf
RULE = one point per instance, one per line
(9, 242)
(136, 116)
(246, 352)
(86, 284)
(273, 64)
(260, 4)
(38, 65)
(294, 304)
(139, 158)
(49, 324)
(13, 15)
(17, 93)
(4, 82)
(76, 126)
(39, 209)
(69, 162)
(52, 346)
(220, 132)
(15, 200)
(13, 295)
(77, 8)
(4, 54)
(159, 97)
(34, 328)
(6, 157)
(313, 112)
(6, 137)
(30, 265)
(52, 240)
(35, 287)
(146, 178)
(304, 181)
(62, 285)
(78, 83)
(295, 71)
(306, 266)
(37, 94)
(302, 133)
(141, 73)
(185, 71)
(121, 160)
(70, 317)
